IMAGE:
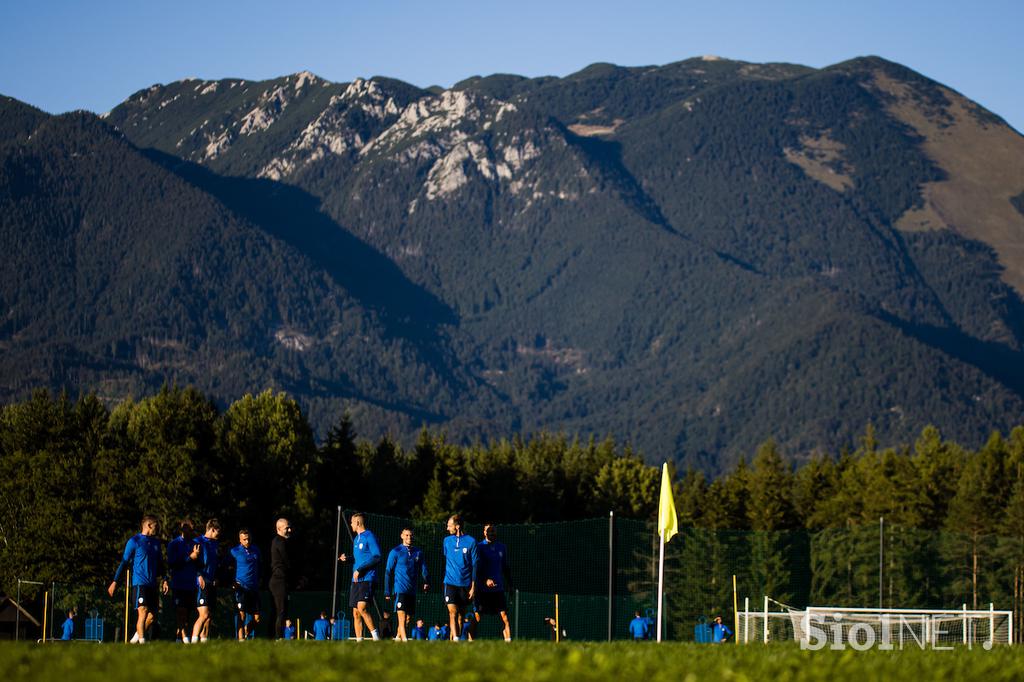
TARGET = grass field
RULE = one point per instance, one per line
(463, 662)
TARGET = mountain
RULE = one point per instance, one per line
(693, 257)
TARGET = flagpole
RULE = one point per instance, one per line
(661, 580)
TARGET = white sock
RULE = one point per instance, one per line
(508, 639)
(359, 638)
(140, 640)
(185, 639)
(202, 639)
(373, 633)
(135, 637)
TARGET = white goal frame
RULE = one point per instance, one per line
(889, 627)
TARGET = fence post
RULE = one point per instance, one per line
(334, 585)
(735, 609)
(517, 613)
(127, 598)
(611, 571)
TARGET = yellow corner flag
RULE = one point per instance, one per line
(668, 522)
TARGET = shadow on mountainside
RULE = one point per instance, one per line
(997, 361)
(294, 216)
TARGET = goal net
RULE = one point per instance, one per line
(818, 627)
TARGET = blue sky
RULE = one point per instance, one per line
(62, 55)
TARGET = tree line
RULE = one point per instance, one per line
(76, 476)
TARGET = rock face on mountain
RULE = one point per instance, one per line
(693, 257)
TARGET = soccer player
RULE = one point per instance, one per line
(280, 566)
(720, 632)
(469, 624)
(322, 628)
(495, 578)
(68, 628)
(145, 555)
(205, 556)
(460, 564)
(246, 558)
(405, 567)
(638, 628)
(288, 631)
(183, 578)
(420, 631)
(436, 633)
(365, 556)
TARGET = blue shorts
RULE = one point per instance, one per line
(184, 599)
(247, 601)
(456, 595)
(147, 596)
(405, 602)
(207, 597)
(491, 603)
(360, 592)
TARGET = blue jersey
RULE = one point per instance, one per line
(406, 566)
(365, 556)
(435, 633)
(206, 564)
(321, 629)
(68, 629)
(143, 553)
(720, 632)
(419, 632)
(247, 566)
(183, 571)
(638, 628)
(493, 564)
(460, 559)
(288, 632)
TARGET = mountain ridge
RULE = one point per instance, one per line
(693, 257)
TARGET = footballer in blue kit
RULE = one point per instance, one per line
(495, 579)
(246, 559)
(460, 565)
(144, 554)
(206, 561)
(406, 567)
(365, 557)
(183, 578)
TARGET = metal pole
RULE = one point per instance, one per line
(53, 600)
(334, 590)
(766, 619)
(735, 609)
(127, 598)
(611, 569)
(661, 580)
(746, 621)
(46, 608)
(558, 623)
(517, 613)
(881, 538)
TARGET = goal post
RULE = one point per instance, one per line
(836, 627)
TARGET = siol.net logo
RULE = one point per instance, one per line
(888, 632)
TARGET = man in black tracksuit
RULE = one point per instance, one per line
(280, 566)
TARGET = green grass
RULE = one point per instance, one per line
(465, 662)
